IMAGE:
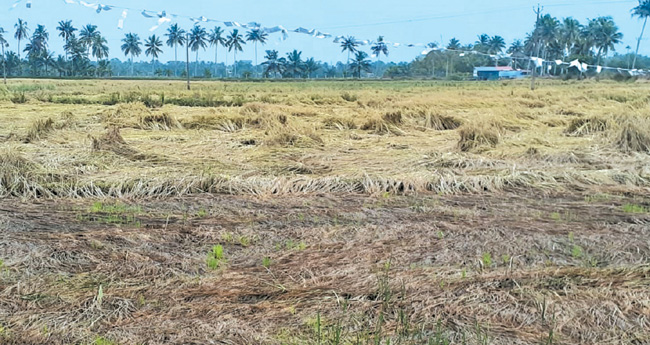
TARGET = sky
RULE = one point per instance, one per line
(405, 21)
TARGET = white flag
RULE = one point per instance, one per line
(120, 23)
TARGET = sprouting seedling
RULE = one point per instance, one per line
(487, 259)
(266, 262)
(215, 257)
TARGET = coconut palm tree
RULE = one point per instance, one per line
(197, 40)
(643, 12)
(453, 44)
(38, 41)
(310, 66)
(569, 34)
(3, 43)
(131, 46)
(256, 35)
(152, 45)
(605, 35)
(48, 60)
(234, 43)
(21, 32)
(496, 44)
(360, 63)
(216, 38)
(349, 44)
(294, 65)
(66, 30)
(175, 37)
(99, 48)
(273, 63)
(379, 48)
(87, 35)
(482, 44)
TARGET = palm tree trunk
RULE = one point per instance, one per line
(4, 65)
(175, 59)
(153, 67)
(235, 63)
(348, 68)
(638, 42)
(196, 67)
(132, 65)
(256, 69)
(216, 47)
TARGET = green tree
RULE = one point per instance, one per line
(216, 38)
(294, 65)
(311, 66)
(349, 44)
(255, 36)
(360, 63)
(273, 63)
(496, 45)
(99, 48)
(3, 43)
(605, 35)
(131, 46)
(643, 12)
(152, 45)
(175, 37)
(197, 40)
(234, 43)
(21, 33)
(569, 35)
(482, 45)
(87, 35)
(66, 30)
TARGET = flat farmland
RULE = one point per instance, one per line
(324, 212)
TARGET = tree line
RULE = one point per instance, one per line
(86, 52)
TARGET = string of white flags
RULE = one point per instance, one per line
(538, 62)
(161, 18)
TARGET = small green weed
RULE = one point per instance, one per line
(486, 260)
(576, 251)
(216, 258)
(634, 208)
(266, 262)
(103, 341)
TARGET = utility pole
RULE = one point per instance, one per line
(187, 60)
(537, 11)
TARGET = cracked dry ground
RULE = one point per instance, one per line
(510, 268)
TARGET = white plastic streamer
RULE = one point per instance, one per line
(161, 21)
(14, 5)
(120, 23)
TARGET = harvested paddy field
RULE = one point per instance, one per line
(134, 212)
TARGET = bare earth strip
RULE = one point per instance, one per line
(583, 276)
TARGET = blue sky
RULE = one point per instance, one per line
(408, 21)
